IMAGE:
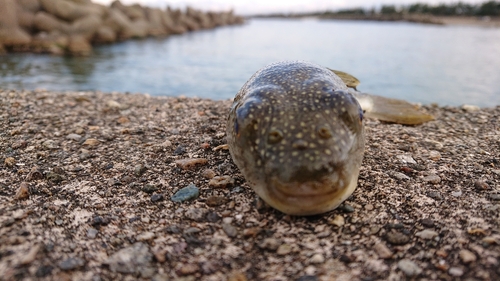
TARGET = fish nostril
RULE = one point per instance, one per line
(300, 144)
(324, 132)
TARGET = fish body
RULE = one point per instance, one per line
(296, 134)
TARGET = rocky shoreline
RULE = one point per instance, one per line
(96, 186)
(73, 26)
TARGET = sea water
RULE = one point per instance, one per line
(448, 65)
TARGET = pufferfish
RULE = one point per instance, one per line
(295, 131)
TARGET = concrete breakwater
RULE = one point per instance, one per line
(73, 26)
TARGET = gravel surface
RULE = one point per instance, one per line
(97, 186)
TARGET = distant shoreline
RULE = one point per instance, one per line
(485, 21)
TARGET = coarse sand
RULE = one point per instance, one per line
(87, 179)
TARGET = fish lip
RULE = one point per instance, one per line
(308, 189)
(326, 196)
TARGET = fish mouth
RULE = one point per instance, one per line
(309, 197)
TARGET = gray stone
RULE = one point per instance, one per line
(71, 263)
(230, 230)
(92, 233)
(132, 259)
(426, 234)
(187, 193)
(409, 267)
(456, 271)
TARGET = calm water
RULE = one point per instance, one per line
(429, 64)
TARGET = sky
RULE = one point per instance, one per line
(247, 7)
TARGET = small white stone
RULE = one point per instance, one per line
(456, 271)
(406, 159)
(145, 236)
(426, 234)
(467, 256)
(409, 267)
(317, 258)
(338, 220)
(470, 108)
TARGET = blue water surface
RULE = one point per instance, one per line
(448, 65)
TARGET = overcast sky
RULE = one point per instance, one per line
(266, 6)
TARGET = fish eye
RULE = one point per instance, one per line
(274, 136)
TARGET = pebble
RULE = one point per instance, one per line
(190, 163)
(221, 182)
(156, 198)
(481, 185)
(23, 191)
(237, 276)
(123, 120)
(409, 267)
(271, 244)
(187, 193)
(308, 278)
(427, 222)
(180, 150)
(92, 233)
(139, 170)
(400, 176)
(196, 214)
(230, 230)
(71, 263)
(456, 193)
(456, 271)
(495, 196)
(467, 256)
(158, 277)
(252, 232)
(434, 155)
(31, 255)
(338, 220)
(114, 104)
(214, 201)
(317, 259)
(44, 270)
(9, 161)
(426, 234)
(148, 188)
(434, 179)
(347, 208)
(208, 173)
(91, 142)
(212, 217)
(130, 259)
(435, 195)
(397, 238)
(50, 144)
(405, 159)
(145, 236)
(470, 108)
(382, 251)
(187, 269)
(284, 249)
(75, 137)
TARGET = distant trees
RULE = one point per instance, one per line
(490, 8)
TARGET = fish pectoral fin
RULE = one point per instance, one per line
(349, 80)
(393, 110)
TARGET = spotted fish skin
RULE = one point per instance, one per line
(297, 135)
